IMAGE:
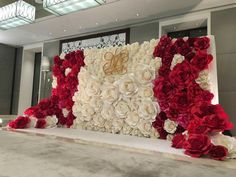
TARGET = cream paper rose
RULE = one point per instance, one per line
(121, 109)
(170, 126)
(146, 91)
(65, 112)
(62, 56)
(226, 141)
(51, 121)
(96, 102)
(132, 119)
(177, 59)
(203, 79)
(67, 71)
(126, 129)
(169, 137)
(127, 86)
(117, 125)
(136, 132)
(110, 93)
(154, 133)
(81, 96)
(148, 109)
(33, 121)
(54, 82)
(98, 120)
(144, 74)
(108, 112)
(108, 126)
(87, 112)
(93, 87)
(145, 127)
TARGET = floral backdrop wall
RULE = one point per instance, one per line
(159, 89)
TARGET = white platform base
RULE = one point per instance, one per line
(113, 140)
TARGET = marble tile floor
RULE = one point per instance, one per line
(30, 155)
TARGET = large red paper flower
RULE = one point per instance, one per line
(218, 152)
(183, 74)
(201, 60)
(202, 43)
(216, 123)
(197, 145)
(41, 123)
(178, 141)
(20, 122)
(197, 127)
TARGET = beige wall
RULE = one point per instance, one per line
(223, 26)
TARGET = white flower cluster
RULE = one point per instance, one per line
(203, 79)
(118, 103)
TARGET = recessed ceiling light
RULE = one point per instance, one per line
(96, 23)
(64, 30)
(117, 19)
(137, 14)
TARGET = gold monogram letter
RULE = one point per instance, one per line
(115, 62)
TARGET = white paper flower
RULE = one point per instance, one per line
(110, 93)
(65, 112)
(96, 102)
(145, 127)
(67, 71)
(98, 120)
(136, 132)
(144, 74)
(121, 109)
(126, 129)
(51, 121)
(62, 56)
(108, 112)
(108, 126)
(154, 133)
(93, 87)
(148, 109)
(226, 141)
(33, 121)
(127, 86)
(170, 126)
(169, 137)
(146, 91)
(132, 119)
(54, 82)
(177, 59)
(203, 80)
(117, 125)
(87, 112)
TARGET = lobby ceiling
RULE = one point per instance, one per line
(114, 14)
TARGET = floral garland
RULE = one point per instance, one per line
(56, 110)
(187, 115)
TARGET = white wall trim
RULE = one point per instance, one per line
(27, 76)
(186, 18)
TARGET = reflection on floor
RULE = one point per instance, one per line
(29, 155)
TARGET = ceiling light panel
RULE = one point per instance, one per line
(16, 14)
(62, 7)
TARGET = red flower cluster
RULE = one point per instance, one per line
(61, 96)
(182, 100)
(20, 122)
(67, 85)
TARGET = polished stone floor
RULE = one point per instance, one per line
(28, 155)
